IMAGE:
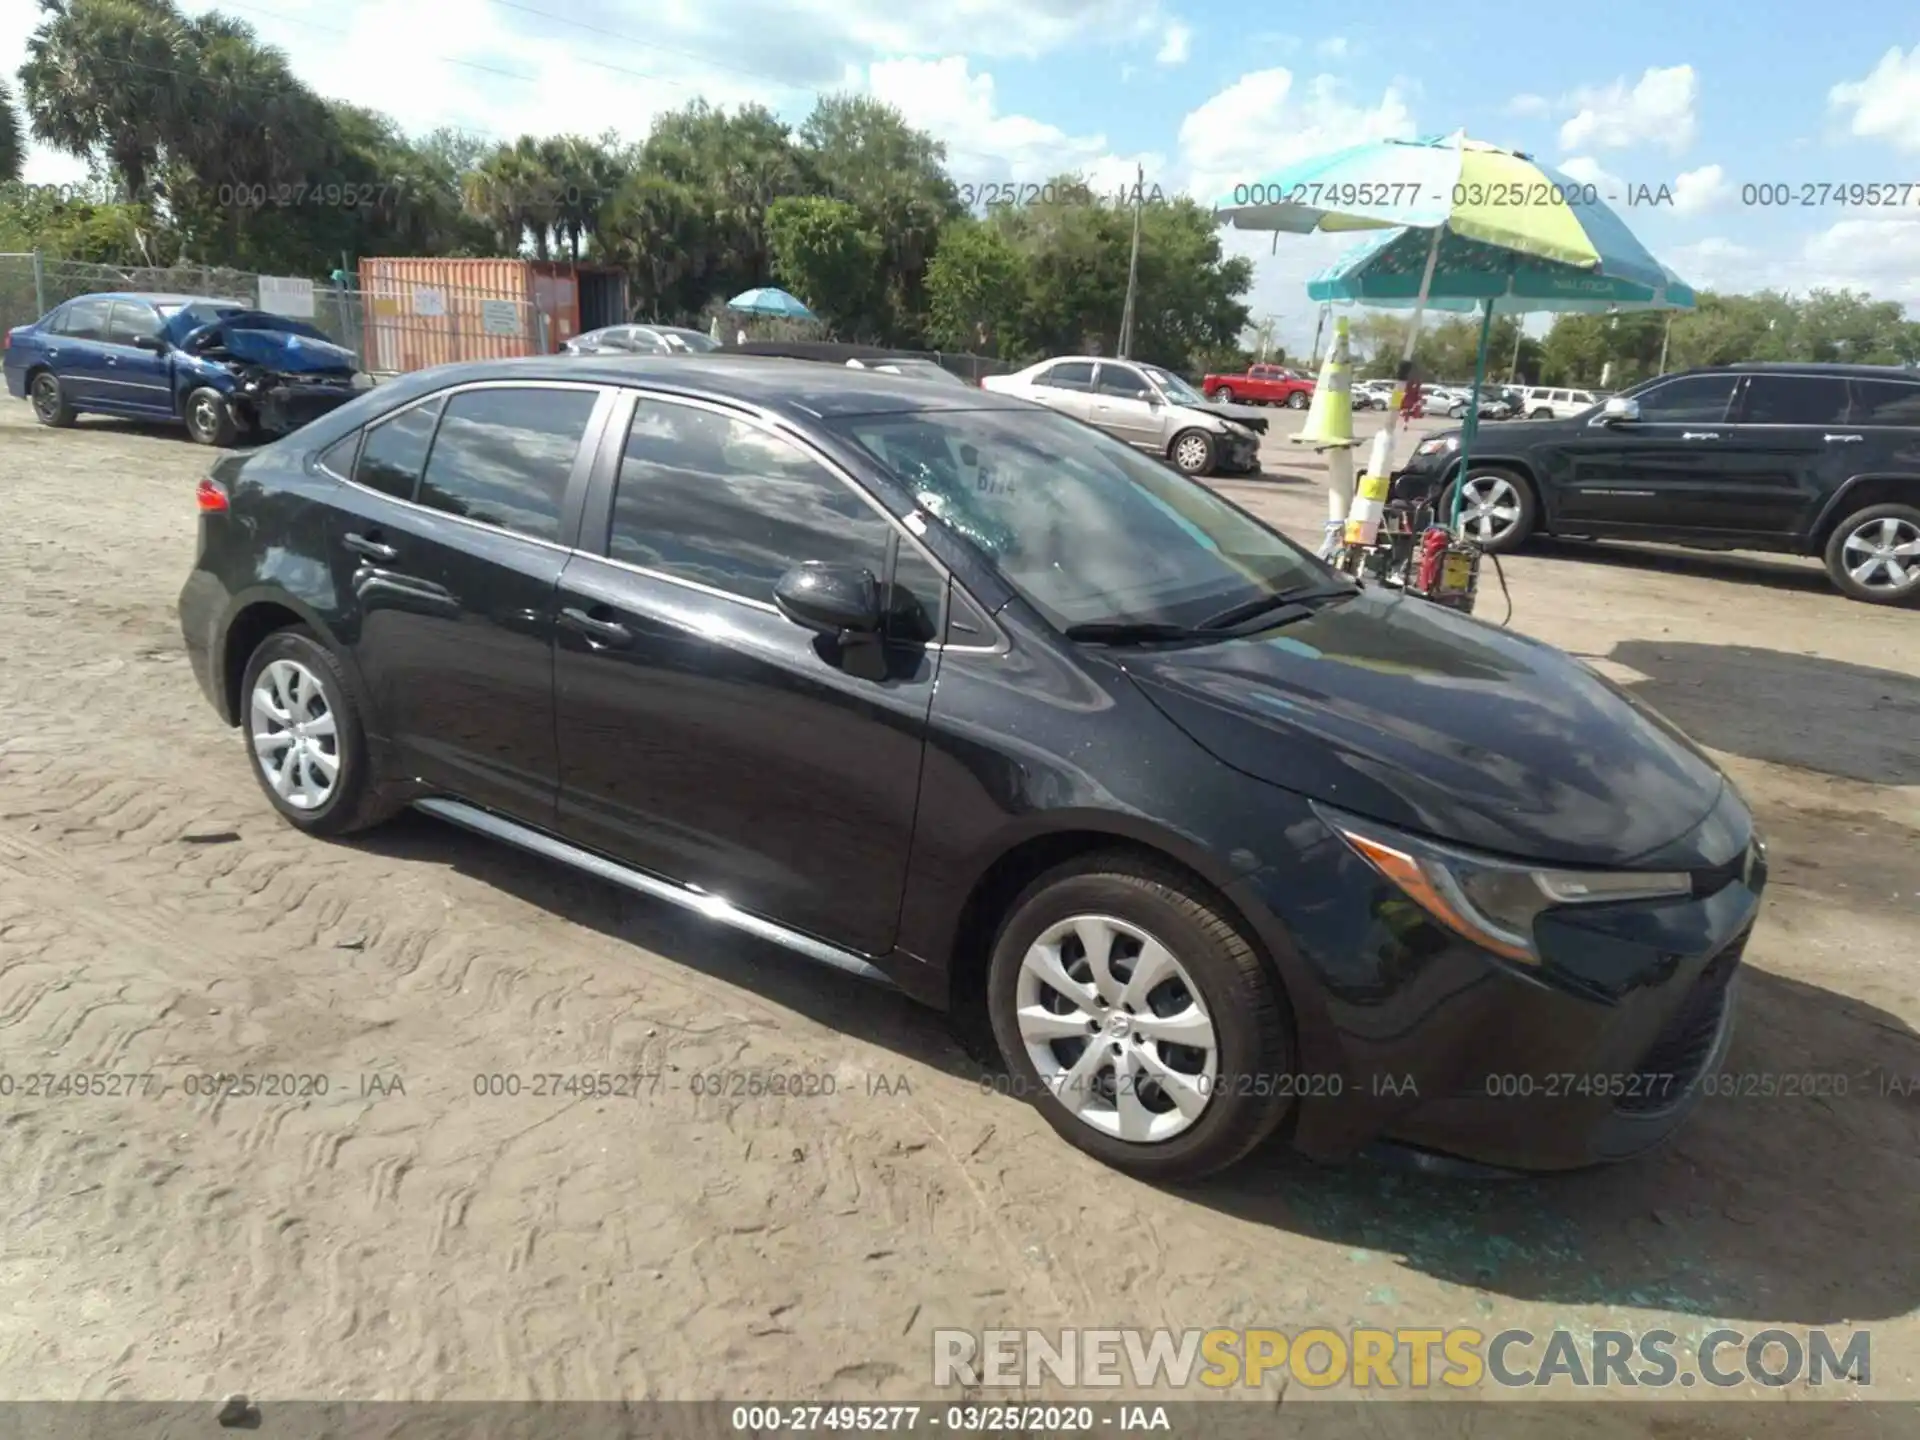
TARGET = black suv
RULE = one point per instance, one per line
(942, 687)
(1807, 459)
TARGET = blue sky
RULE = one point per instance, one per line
(1702, 98)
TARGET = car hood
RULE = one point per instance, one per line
(259, 338)
(1400, 710)
(1250, 416)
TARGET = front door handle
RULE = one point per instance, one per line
(597, 631)
(369, 547)
(1845, 439)
(1700, 435)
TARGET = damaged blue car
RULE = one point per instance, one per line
(231, 374)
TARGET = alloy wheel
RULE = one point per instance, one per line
(46, 397)
(1191, 454)
(1115, 1027)
(1489, 507)
(296, 740)
(205, 416)
(1883, 555)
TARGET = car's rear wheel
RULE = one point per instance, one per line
(305, 737)
(1497, 509)
(209, 418)
(1297, 400)
(1874, 555)
(1223, 395)
(1192, 452)
(50, 405)
(1139, 1019)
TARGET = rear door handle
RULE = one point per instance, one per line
(1845, 439)
(602, 632)
(1700, 435)
(368, 547)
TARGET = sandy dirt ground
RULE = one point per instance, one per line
(404, 1236)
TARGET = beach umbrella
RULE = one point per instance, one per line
(768, 300)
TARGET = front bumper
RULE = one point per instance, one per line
(1239, 455)
(284, 405)
(1412, 1036)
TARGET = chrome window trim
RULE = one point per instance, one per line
(782, 431)
(447, 395)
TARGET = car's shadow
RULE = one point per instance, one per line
(1742, 568)
(1823, 715)
(1794, 1207)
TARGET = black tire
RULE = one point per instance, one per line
(1541, 414)
(1191, 458)
(1222, 396)
(209, 418)
(50, 405)
(356, 801)
(1298, 400)
(1252, 1026)
(1907, 518)
(1522, 529)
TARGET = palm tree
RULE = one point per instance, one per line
(12, 142)
(107, 80)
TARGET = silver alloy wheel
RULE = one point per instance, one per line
(1191, 453)
(1116, 1028)
(1883, 554)
(1223, 396)
(205, 416)
(46, 397)
(1489, 507)
(296, 742)
(1298, 400)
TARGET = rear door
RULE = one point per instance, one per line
(1791, 445)
(141, 380)
(1123, 407)
(452, 539)
(1649, 472)
(79, 353)
(703, 736)
(1067, 387)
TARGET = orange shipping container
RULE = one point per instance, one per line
(432, 311)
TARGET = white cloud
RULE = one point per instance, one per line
(1264, 120)
(1886, 104)
(1879, 254)
(1696, 192)
(1585, 170)
(1334, 47)
(946, 98)
(1534, 106)
(1176, 45)
(1656, 110)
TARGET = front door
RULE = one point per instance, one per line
(1627, 473)
(703, 736)
(1126, 407)
(139, 381)
(453, 543)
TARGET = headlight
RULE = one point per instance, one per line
(1438, 445)
(1494, 903)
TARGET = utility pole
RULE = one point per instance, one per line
(1313, 362)
(1268, 325)
(1513, 365)
(1666, 335)
(1133, 265)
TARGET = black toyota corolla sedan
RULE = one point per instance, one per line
(949, 690)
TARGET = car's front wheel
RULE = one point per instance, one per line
(210, 419)
(50, 405)
(1497, 510)
(304, 734)
(1139, 1019)
(1874, 555)
(1192, 452)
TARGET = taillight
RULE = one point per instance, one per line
(211, 496)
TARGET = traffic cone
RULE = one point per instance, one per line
(1370, 496)
(1330, 418)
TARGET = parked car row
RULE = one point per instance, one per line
(1804, 459)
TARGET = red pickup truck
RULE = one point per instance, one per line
(1261, 385)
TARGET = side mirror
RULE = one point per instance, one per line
(1619, 408)
(150, 342)
(1154, 399)
(842, 601)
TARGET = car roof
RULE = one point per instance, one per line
(1814, 367)
(803, 390)
(155, 297)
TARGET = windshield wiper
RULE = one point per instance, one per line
(1127, 632)
(1269, 607)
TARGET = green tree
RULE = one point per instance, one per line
(823, 252)
(974, 286)
(657, 228)
(12, 142)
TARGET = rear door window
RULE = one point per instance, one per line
(396, 451)
(1068, 375)
(1794, 400)
(503, 455)
(87, 320)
